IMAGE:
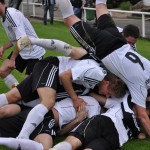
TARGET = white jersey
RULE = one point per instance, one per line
(111, 102)
(116, 115)
(84, 72)
(133, 69)
(16, 26)
(67, 112)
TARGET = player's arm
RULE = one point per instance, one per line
(5, 46)
(143, 117)
(66, 79)
(13, 57)
(81, 115)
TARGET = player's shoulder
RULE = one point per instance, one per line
(12, 12)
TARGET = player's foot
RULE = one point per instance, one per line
(23, 42)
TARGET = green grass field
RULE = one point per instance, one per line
(60, 31)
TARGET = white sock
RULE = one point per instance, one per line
(58, 46)
(101, 2)
(10, 80)
(34, 118)
(65, 7)
(62, 146)
(23, 144)
(3, 100)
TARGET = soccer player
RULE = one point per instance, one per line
(105, 44)
(108, 131)
(44, 82)
(61, 114)
(131, 33)
(16, 26)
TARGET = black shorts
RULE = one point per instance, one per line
(22, 64)
(97, 133)
(11, 127)
(45, 74)
(99, 41)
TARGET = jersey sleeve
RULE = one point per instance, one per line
(15, 19)
(91, 75)
(139, 95)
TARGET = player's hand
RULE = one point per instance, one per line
(81, 113)
(77, 102)
(11, 64)
(141, 136)
(1, 52)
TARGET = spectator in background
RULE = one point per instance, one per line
(77, 7)
(14, 3)
(48, 5)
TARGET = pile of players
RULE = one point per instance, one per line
(96, 92)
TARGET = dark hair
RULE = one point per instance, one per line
(116, 85)
(131, 30)
(2, 1)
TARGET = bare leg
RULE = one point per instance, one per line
(70, 142)
(101, 8)
(45, 139)
(9, 110)
(8, 78)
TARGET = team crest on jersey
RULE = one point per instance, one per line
(51, 123)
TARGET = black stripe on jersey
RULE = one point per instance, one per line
(51, 76)
(91, 80)
(9, 18)
(81, 40)
(62, 95)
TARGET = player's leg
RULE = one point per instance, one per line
(9, 110)
(101, 8)
(14, 143)
(45, 82)
(5, 74)
(66, 9)
(54, 45)
(63, 145)
(45, 139)
(11, 96)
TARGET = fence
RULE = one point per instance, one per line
(122, 11)
(143, 14)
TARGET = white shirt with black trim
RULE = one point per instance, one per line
(16, 25)
(84, 72)
(115, 113)
(67, 112)
(133, 69)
